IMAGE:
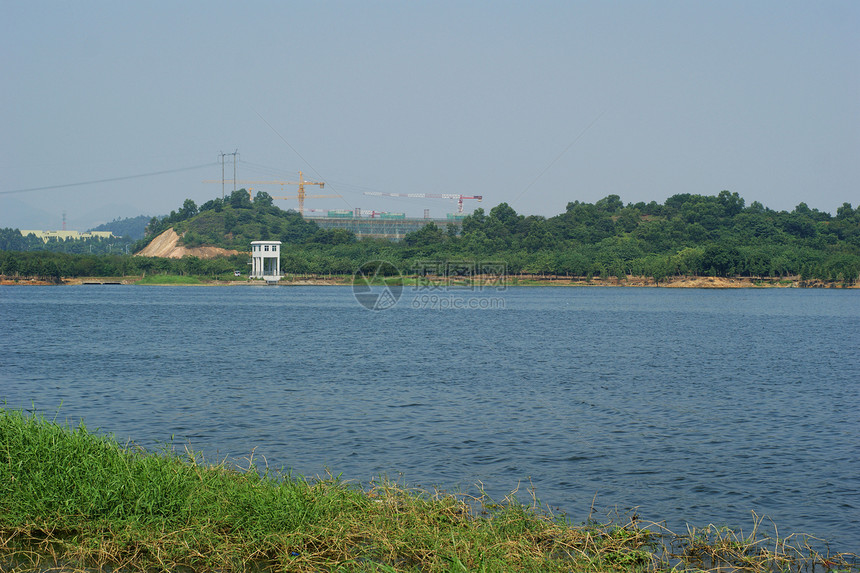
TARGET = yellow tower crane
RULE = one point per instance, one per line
(301, 195)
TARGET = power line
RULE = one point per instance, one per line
(94, 182)
(297, 153)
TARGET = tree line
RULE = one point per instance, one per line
(12, 240)
(54, 266)
(688, 234)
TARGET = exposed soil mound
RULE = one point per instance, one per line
(166, 245)
(708, 282)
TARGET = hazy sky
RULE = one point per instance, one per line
(536, 104)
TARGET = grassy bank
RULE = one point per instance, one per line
(485, 282)
(71, 496)
(168, 280)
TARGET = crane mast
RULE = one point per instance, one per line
(301, 194)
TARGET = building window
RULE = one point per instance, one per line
(266, 248)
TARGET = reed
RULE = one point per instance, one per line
(78, 500)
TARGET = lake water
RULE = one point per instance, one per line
(694, 406)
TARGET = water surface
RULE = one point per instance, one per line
(695, 406)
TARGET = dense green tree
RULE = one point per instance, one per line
(428, 235)
(628, 219)
(263, 199)
(732, 203)
(610, 204)
(189, 209)
(799, 225)
(240, 199)
(720, 259)
(689, 234)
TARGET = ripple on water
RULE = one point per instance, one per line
(698, 406)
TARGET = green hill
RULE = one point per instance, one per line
(687, 235)
(233, 222)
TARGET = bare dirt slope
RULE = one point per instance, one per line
(166, 245)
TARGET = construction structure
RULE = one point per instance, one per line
(301, 196)
(393, 227)
(456, 196)
(266, 261)
(364, 223)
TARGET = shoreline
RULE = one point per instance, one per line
(516, 280)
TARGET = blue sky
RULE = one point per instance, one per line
(536, 104)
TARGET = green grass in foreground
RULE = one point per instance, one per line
(168, 280)
(82, 500)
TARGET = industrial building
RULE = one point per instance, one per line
(391, 226)
(63, 235)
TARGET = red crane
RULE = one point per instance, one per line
(459, 198)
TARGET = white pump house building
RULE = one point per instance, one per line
(266, 260)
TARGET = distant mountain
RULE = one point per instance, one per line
(99, 215)
(134, 227)
(16, 214)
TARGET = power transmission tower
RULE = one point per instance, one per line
(223, 155)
